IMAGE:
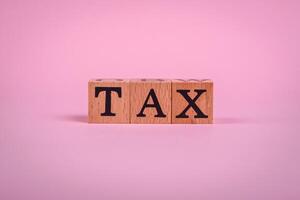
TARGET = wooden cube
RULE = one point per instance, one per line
(150, 101)
(108, 101)
(192, 101)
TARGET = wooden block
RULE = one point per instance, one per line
(150, 101)
(192, 101)
(108, 101)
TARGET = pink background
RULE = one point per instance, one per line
(50, 49)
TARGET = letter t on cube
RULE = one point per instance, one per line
(108, 101)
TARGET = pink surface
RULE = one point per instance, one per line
(50, 49)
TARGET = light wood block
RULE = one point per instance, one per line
(150, 101)
(108, 101)
(192, 101)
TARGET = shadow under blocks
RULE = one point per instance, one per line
(150, 101)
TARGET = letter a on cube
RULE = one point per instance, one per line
(150, 101)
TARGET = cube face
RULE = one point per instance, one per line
(192, 101)
(108, 101)
(150, 101)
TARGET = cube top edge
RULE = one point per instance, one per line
(143, 80)
(108, 80)
(192, 80)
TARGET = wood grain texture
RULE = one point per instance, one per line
(119, 105)
(204, 102)
(139, 91)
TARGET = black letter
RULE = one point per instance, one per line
(192, 103)
(108, 91)
(155, 105)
